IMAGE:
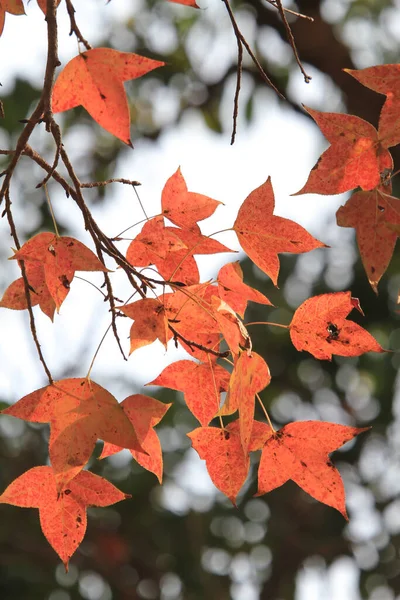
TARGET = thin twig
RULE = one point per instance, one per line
(94, 184)
(289, 34)
(292, 12)
(192, 345)
(27, 287)
(237, 90)
(74, 27)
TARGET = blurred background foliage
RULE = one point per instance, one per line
(184, 540)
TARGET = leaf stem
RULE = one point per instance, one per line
(265, 413)
(267, 323)
(97, 351)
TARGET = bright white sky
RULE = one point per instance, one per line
(278, 144)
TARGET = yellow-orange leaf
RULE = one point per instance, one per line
(43, 4)
(234, 292)
(263, 236)
(299, 451)
(94, 79)
(14, 7)
(62, 513)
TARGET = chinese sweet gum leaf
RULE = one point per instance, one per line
(263, 236)
(355, 157)
(144, 413)
(320, 326)
(62, 513)
(14, 297)
(372, 214)
(226, 462)
(234, 292)
(14, 7)
(384, 79)
(182, 207)
(94, 79)
(299, 451)
(201, 384)
(60, 257)
(150, 322)
(79, 412)
(249, 376)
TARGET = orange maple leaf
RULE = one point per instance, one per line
(234, 292)
(201, 384)
(79, 412)
(372, 214)
(263, 236)
(231, 327)
(14, 297)
(60, 257)
(144, 413)
(150, 322)
(299, 451)
(249, 376)
(62, 513)
(355, 158)
(94, 79)
(226, 462)
(320, 326)
(191, 3)
(384, 79)
(182, 207)
(14, 7)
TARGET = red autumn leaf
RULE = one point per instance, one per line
(299, 451)
(249, 376)
(15, 298)
(191, 3)
(201, 385)
(13, 7)
(234, 292)
(263, 236)
(384, 79)
(43, 4)
(182, 207)
(79, 412)
(94, 79)
(62, 514)
(355, 157)
(231, 327)
(320, 326)
(222, 450)
(144, 413)
(372, 214)
(60, 257)
(150, 322)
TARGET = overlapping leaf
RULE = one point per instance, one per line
(249, 376)
(201, 384)
(60, 258)
(151, 322)
(79, 412)
(94, 79)
(144, 413)
(43, 4)
(15, 298)
(62, 513)
(263, 236)
(234, 292)
(227, 463)
(299, 451)
(320, 326)
(355, 158)
(384, 79)
(372, 214)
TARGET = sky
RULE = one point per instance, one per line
(278, 143)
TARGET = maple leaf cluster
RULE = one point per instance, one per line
(223, 377)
